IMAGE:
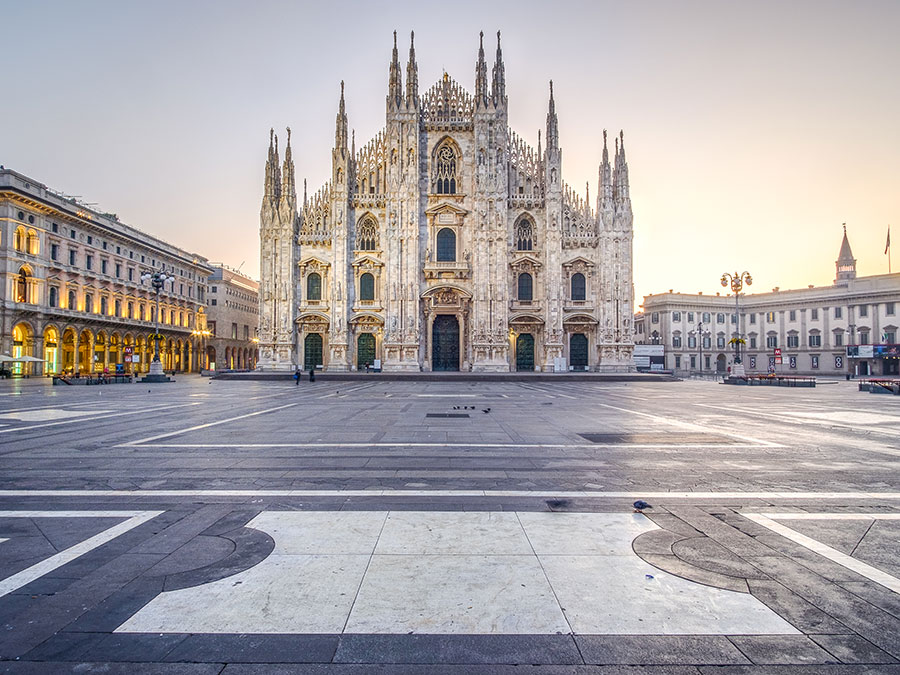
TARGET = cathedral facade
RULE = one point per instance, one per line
(446, 243)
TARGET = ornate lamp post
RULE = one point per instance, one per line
(157, 280)
(701, 336)
(737, 282)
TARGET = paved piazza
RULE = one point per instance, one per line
(448, 527)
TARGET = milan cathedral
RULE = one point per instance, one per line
(446, 243)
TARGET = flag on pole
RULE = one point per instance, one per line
(887, 245)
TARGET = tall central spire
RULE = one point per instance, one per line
(481, 87)
(395, 90)
(340, 131)
(552, 124)
(498, 85)
(412, 74)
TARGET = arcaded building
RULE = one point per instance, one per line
(72, 299)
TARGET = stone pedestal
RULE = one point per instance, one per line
(156, 373)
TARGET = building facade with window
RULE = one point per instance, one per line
(849, 327)
(232, 316)
(446, 243)
(72, 296)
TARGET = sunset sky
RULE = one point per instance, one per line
(753, 130)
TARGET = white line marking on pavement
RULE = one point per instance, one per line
(103, 417)
(204, 426)
(542, 494)
(636, 446)
(26, 576)
(695, 427)
(833, 516)
(869, 572)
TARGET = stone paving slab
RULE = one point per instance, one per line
(659, 650)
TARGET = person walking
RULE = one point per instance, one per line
(312, 373)
(297, 376)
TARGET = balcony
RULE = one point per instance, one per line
(455, 269)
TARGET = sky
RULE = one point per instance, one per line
(753, 130)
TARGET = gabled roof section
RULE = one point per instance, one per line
(448, 105)
(446, 206)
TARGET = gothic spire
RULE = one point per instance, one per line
(620, 175)
(269, 187)
(276, 172)
(304, 193)
(412, 74)
(552, 123)
(605, 188)
(340, 131)
(288, 187)
(395, 91)
(498, 85)
(481, 87)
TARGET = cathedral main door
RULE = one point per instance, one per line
(445, 343)
(525, 352)
(312, 351)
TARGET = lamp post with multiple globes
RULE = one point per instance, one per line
(157, 281)
(701, 335)
(737, 282)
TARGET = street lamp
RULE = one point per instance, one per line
(157, 280)
(737, 282)
(701, 335)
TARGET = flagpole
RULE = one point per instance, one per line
(887, 248)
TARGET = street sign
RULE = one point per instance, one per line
(777, 351)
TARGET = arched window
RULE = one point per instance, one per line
(130, 310)
(33, 243)
(54, 296)
(19, 239)
(118, 308)
(104, 305)
(578, 292)
(446, 245)
(22, 286)
(367, 235)
(314, 286)
(445, 178)
(73, 300)
(524, 235)
(526, 287)
(88, 302)
(367, 287)
(140, 312)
